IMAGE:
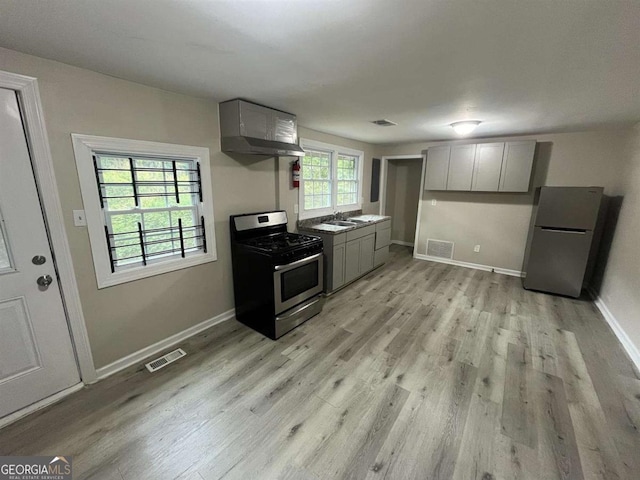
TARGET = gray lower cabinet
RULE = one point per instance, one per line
(352, 260)
(383, 240)
(337, 263)
(358, 257)
(352, 254)
(367, 247)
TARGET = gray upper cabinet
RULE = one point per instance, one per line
(437, 168)
(486, 170)
(461, 167)
(483, 167)
(517, 165)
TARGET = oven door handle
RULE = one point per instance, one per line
(289, 266)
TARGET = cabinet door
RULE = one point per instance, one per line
(367, 247)
(337, 279)
(284, 127)
(255, 121)
(461, 167)
(517, 166)
(352, 260)
(437, 168)
(486, 171)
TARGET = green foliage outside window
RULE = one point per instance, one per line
(316, 175)
(158, 207)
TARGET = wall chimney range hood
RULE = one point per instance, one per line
(249, 128)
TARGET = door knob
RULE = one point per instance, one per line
(44, 281)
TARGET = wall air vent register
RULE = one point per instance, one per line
(439, 248)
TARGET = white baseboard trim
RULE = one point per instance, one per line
(140, 355)
(631, 349)
(403, 243)
(477, 266)
(45, 402)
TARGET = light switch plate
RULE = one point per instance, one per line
(295, 208)
(79, 220)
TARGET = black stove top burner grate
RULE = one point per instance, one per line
(281, 241)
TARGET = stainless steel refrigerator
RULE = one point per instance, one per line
(562, 239)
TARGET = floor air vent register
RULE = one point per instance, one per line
(165, 360)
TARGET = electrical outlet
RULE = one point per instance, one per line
(433, 202)
(295, 208)
(476, 248)
(79, 220)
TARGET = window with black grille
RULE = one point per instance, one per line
(152, 208)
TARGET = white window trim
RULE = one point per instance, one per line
(334, 150)
(84, 146)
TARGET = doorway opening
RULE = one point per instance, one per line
(401, 188)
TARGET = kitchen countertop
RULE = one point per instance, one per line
(336, 229)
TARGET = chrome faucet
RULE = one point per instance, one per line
(339, 216)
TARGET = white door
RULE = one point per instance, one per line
(36, 355)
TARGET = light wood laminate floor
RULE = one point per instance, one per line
(419, 370)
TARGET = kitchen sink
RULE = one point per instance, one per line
(342, 223)
(358, 220)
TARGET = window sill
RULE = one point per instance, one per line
(138, 273)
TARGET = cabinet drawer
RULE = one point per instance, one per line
(360, 232)
(383, 225)
(383, 238)
(381, 256)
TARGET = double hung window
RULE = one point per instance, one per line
(331, 179)
(148, 206)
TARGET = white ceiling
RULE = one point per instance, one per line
(519, 66)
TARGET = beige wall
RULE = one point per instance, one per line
(288, 196)
(125, 318)
(402, 197)
(499, 223)
(620, 284)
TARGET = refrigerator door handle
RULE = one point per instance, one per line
(559, 230)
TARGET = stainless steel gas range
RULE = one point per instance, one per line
(277, 276)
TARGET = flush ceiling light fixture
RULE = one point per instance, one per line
(465, 127)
